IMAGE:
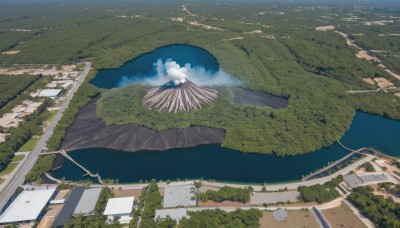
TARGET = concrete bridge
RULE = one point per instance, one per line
(51, 152)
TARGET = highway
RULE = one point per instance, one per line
(11, 183)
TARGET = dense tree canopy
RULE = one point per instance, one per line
(383, 212)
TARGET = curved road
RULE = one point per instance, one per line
(12, 182)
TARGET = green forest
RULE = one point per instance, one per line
(218, 218)
(12, 85)
(227, 193)
(383, 212)
(320, 193)
(284, 57)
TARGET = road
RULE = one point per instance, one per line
(11, 184)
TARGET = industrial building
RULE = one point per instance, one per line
(357, 180)
(88, 201)
(121, 207)
(28, 206)
(69, 207)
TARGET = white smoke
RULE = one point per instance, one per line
(175, 72)
(172, 71)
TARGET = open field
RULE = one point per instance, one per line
(28, 146)
(9, 169)
(295, 219)
(17, 158)
(342, 216)
(126, 193)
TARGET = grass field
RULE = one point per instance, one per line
(298, 218)
(17, 158)
(342, 216)
(28, 146)
(9, 169)
(51, 115)
(1, 181)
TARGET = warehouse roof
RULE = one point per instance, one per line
(175, 214)
(88, 201)
(49, 92)
(27, 206)
(180, 195)
(118, 206)
(69, 207)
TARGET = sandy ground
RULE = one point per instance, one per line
(397, 94)
(126, 193)
(35, 71)
(295, 219)
(389, 168)
(259, 198)
(210, 203)
(342, 216)
(10, 52)
(383, 83)
(49, 217)
(325, 28)
(204, 188)
(161, 190)
(369, 81)
(364, 55)
(209, 27)
(61, 194)
(384, 194)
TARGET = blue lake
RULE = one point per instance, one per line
(143, 66)
(212, 161)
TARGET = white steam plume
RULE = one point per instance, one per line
(175, 72)
(172, 71)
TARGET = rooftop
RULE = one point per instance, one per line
(353, 180)
(88, 201)
(117, 206)
(180, 195)
(175, 214)
(69, 207)
(49, 92)
(356, 180)
(27, 206)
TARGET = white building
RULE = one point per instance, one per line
(28, 206)
(121, 207)
(52, 93)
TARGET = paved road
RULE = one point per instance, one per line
(11, 184)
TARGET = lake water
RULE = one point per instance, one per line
(212, 161)
(143, 66)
